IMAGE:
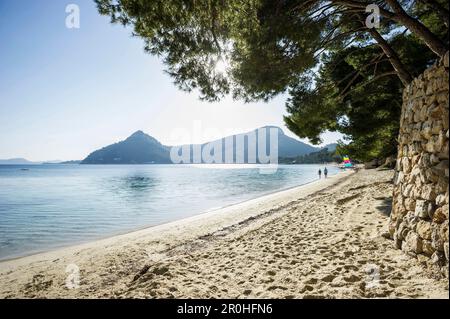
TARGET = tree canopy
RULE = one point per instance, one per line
(336, 70)
(358, 96)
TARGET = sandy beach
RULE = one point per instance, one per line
(321, 240)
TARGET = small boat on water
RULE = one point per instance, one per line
(24, 169)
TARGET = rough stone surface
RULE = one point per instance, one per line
(424, 229)
(412, 244)
(419, 219)
(427, 248)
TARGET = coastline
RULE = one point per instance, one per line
(311, 241)
(214, 213)
(56, 246)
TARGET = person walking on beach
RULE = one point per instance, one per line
(325, 172)
(320, 174)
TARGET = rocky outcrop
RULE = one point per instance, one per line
(419, 218)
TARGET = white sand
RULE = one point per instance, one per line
(316, 240)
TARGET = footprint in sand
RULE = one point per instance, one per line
(328, 278)
(311, 281)
(306, 288)
(351, 267)
(271, 273)
(352, 278)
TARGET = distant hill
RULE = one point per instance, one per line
(17, 161)
(330, 147)
(319, 157)
(62, 162)
(71, 162)
(141, 148)
(287, 146)
(52, 162)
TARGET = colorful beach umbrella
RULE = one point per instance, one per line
(347, 162)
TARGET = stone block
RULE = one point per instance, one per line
(427, 248)
(423, 229)
(422, 208)
(412, 243)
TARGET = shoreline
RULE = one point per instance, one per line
(125, 232)
(320, 240)
(175, 223)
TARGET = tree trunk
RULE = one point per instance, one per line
(416, 27)
(399, 67)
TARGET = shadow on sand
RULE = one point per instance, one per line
(385, 206)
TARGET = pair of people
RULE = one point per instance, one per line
(325, 172)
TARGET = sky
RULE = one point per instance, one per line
(65, 92)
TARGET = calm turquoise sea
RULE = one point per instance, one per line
(48, 206)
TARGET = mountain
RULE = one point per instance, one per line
(23, 161)
(287, 146)
(141, 148)
(62, 162)
(53, 162)
(71, 162)
(331, 147)
(319, 157)
(17, 161)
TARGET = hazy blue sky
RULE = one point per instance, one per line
(66, 92)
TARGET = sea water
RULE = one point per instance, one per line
(43, 207)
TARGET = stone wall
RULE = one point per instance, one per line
(419, 218)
